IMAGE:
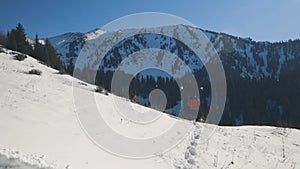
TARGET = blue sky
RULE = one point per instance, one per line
(271, 20)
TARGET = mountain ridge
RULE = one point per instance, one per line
(68, 46)
(255, 71)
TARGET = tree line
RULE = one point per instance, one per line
(16, 40)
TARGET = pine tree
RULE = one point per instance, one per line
(52, 59)
(11, 42)
(70, 67)
(38, 49)
(2, 38)
(22, 44)
(16, 40)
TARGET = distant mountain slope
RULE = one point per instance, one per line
(244, 56)
(69, 45)
(262, 78)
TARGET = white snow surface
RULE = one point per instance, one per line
(94, 34)
(39, 126)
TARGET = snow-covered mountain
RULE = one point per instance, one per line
(243, 56)
(39, 129)
(69, 45)
(254, 70)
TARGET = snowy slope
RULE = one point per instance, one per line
(39, 126)
(35, 122)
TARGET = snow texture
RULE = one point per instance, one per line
(39, 129)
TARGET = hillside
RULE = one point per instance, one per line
(249, 58)
(258, 74)
(39, 127)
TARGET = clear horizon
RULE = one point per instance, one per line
(269, 20)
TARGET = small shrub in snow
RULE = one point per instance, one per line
(100, 89)
(35, 72)
(20, 57)
(62, 71)
(13, 53)
(133, 99)
(83, 84)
